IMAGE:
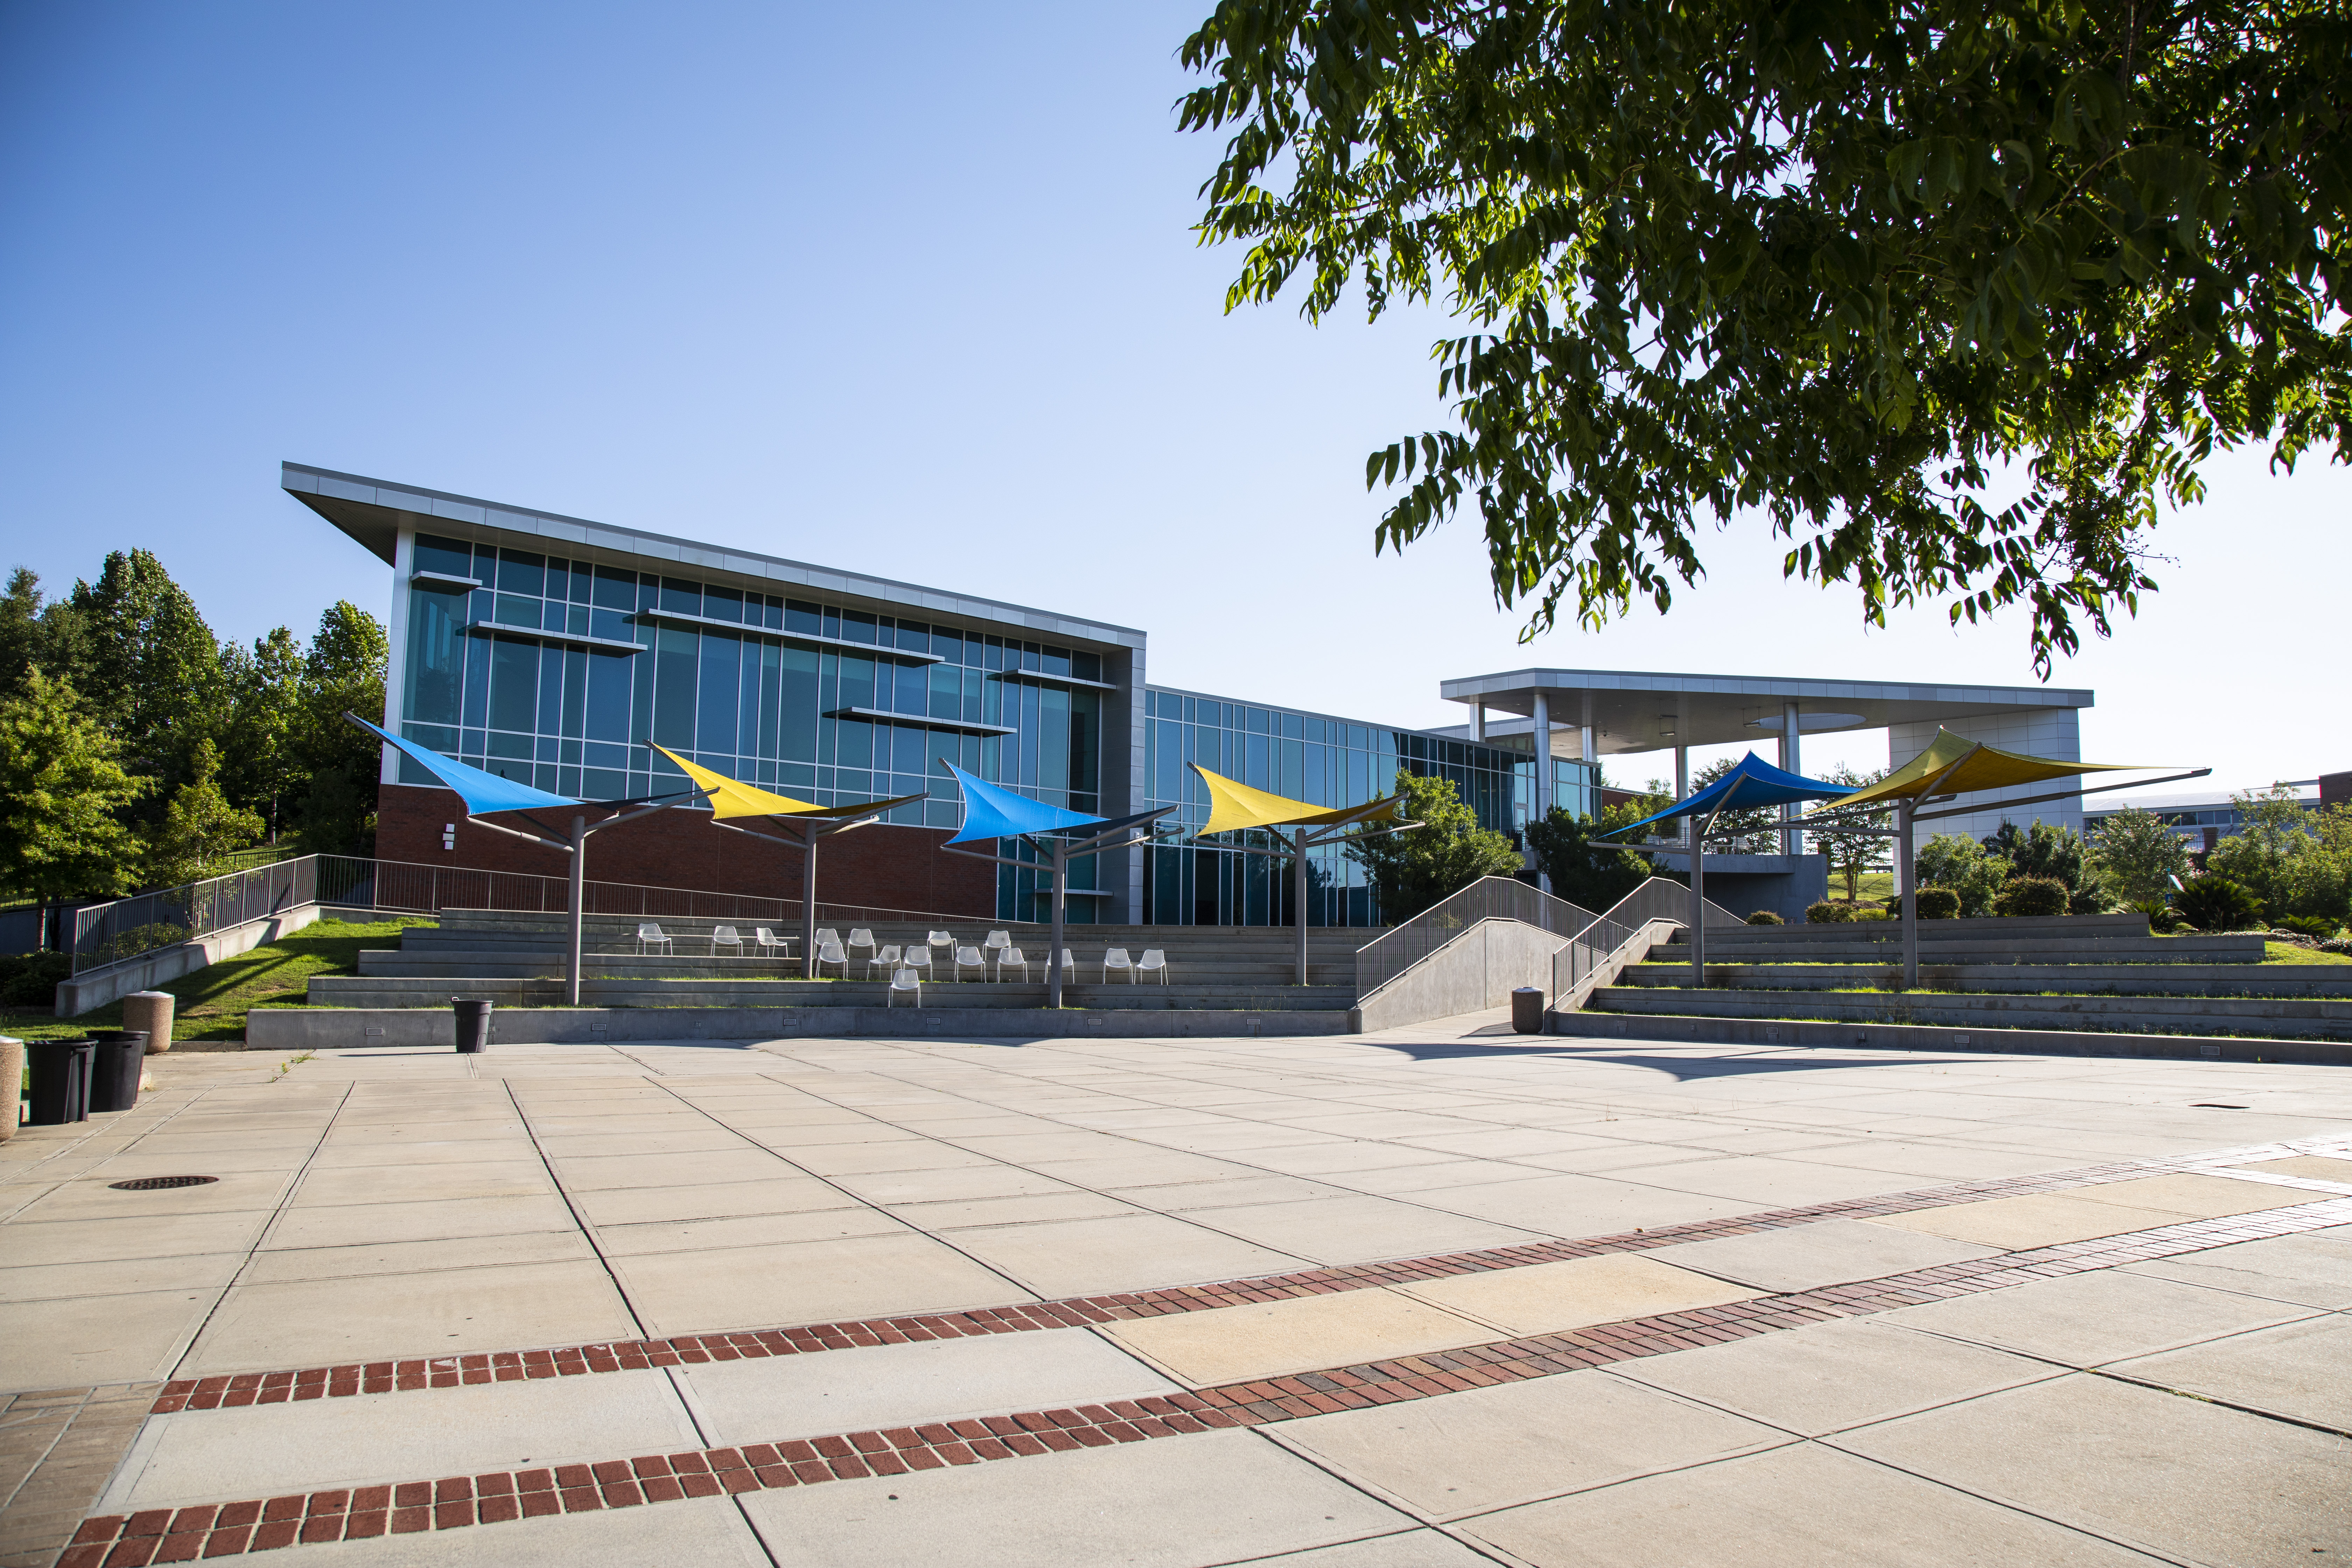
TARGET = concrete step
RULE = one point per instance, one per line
(394, 991)
(510, 964)
(2168, 1015)
(2284, 979)
(2154, 950)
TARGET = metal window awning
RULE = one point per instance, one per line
(921, 721)
(814, 640)
(575, 639)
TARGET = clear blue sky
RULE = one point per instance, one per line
(905, 289)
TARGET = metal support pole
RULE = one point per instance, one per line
(1540, 733)
(808, 906)
(1906, 885)
(1478, 721)
(577, 908)
(1791, 760)
(1682, 788)
(1054, 958)
(1698, 909)
(1298, 884)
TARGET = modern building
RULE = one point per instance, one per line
(549, 649)
(2202, 818)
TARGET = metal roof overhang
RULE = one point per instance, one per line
(1641, 710)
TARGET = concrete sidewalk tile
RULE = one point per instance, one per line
(1405, 1549)
(1459, 1454)
(1132, 1252)
(1327, 1159)
(1826, 1376)
(1434, 1177)
(2089, 1319)
(337, 1154)
(744, 1230)
(2198, 1197)
(1305, 1333)
(1218, 1497)
(2314, 1167)
(1574, 1205)
(1800, 1504)
(48, 1345)
(898, 1155)
(1181, 1197)
(59, 1281)
(2313, 1269)
(1353, 1229)
(757, 1401)
(281, 1265)
(803, 1282)
(28, 1243)
(90, 1199)
(2301, 1371)
(1546, 1297)
(1150, 1169)
(1825, 1252)
(421, 1184)
(948, 1186)
(262, 1450)
(2029, 1221)
(1762, 1179)
(430, 1312)
(776, 1193)
(360, 1224)
(954, 1215)
(599, 1172)
(2176, 1476)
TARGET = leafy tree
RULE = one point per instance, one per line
(1416, 868)
(2268, 854)
(1853, 852)
(2057, 853)
(1585, 870)
(151, 670)
(2139, 856)
(344, 672)
(34, 635)
(200, 827)
(1956, 861)
(2320, 886)
(1846, 269)
(61, 792)
(1757, 828)
(2216, 903)
(265, 717)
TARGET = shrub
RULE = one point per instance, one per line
(31, 980)
(1935, 904)
(1828, 913)
(2162, 918)
(1765, 918)
(1872, 912)
(2319, 928)
(2216, 903)
(2032, 896)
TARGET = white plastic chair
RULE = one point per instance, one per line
(724, 936)
(827, 934)
(769, 941)
(829, 952)
(968, 954)
(1006, 955)
(920, 960)
(859, 936)
(1153, 962)
(888, 959)
(1117, 959)
(938, 939)
(1069, 965)
(907, 981)
(650, 935)
(997, 938)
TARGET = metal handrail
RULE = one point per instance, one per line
(1628, 920)
(1387, 956)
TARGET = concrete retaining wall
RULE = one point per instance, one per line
(327, 1028)
(1475, 970)
(2264, 1016)
(96, 987)
(1619, 1028)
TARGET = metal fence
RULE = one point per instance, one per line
(1599, 943)
(1489, 897)
(110, 932)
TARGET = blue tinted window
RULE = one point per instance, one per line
(521, 571)
(615, 589)
(856, 625)
(681, 597)
(797, 711)
(673, 684)
(722, 604)
(800, 616)
(450, 557)
(436, 654)
(722, 660)
(514, 685)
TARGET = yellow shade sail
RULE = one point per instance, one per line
(1979, 767)
(1237, 805)
(733, 797)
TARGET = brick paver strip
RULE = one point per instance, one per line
(620, 1355)
(163, 1535)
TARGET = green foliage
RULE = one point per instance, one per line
(1829, 913)
(200, 828)
(1411, 871)
(149, 670)
(2139, 856)
(2031, 896)
(1848, 268)
(2292, 859)
(1935, 904)
(62, 793)
(2058, 854)
(1591, 873)
(1764, 917)
(344, 673)
(266, 719)
(2162, 918)
(30, 980)
(1956, 861)
(2213, 903)
(1854, 853)
(2319, 928)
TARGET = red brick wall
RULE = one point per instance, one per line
(884, 865)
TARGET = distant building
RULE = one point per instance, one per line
(2204, 818)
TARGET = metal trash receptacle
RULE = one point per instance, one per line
(1527, 1010)
(121, 1056)
(60, 1081)
(473, 1024)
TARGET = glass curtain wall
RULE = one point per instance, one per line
(1328, 762)
(815, 700)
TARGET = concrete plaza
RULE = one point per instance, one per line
(1439, 1296)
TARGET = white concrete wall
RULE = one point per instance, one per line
(2036, 731)
(97, 987)
(1476, 969)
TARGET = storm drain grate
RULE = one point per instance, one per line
(150, 1184)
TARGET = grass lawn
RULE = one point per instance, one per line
(2287, 953)
(214, 1002)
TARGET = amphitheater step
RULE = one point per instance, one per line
(2176, 1015)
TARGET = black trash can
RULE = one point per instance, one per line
(473, 1024)
(122, 1056)
(60, 1081)
(1527, 1010)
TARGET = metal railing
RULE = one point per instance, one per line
(1600, 943)
(1489, 897)
(126, 928)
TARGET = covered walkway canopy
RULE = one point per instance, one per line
(1238, 807)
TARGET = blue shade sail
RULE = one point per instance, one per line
(1754, 781)
(482, 791)
(992, 813)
